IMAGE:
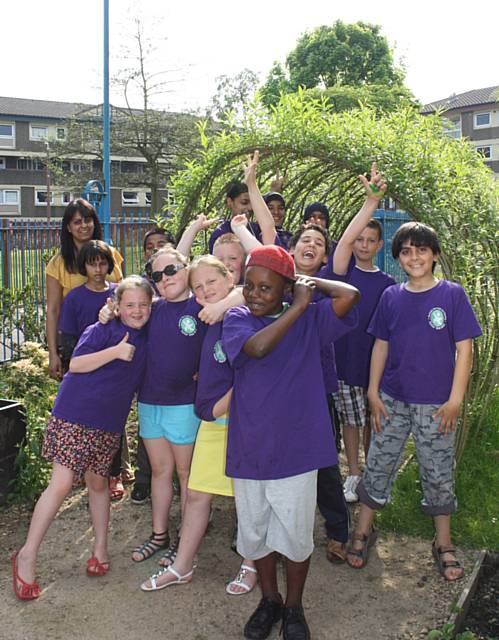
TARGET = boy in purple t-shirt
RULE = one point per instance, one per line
(279, 427)
(420, 367)
(362, 238)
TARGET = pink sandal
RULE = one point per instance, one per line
(96, 568)
(23, 590)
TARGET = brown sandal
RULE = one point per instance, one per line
(363, 553)
(444, 565)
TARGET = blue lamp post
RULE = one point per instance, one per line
(105, 208)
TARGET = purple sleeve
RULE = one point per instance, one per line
(237, 329)
(329, 326)
(378, 327)
(68, 321)
(465, 325)
(93, 339)
(327, 271)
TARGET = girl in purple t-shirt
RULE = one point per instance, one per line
(84, 430)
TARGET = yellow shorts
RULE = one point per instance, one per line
(208, 460)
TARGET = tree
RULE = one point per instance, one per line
(164, 140)
(233, 93)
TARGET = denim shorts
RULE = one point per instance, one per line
(177, 423)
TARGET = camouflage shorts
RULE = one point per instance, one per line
(435, 454)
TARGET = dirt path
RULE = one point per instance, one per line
(398, 596)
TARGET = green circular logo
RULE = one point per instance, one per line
(437, 318)
(188, 325)
(219, 353)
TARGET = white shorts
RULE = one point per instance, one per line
(276, 515)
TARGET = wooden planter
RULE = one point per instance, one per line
(12, 433)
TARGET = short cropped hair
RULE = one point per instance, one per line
(376, 224)
(133, 282)
(92, 250)
(158, 231)
(418, 234)
(228, 238)
(235, 188)
(311, 227)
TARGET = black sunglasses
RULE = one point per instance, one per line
(169, 270)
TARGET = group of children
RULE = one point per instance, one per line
(233, 386)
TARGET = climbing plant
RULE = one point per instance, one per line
(437, 180)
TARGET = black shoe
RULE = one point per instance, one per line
(263, 619)
(294, 625)
(140, 494)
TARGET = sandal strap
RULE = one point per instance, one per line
(152, 544)
(246, 567)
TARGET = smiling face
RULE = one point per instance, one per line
(81, 228)
(96, 273)
(232, 255)
(172, 288)
(317, 217)
(264, 291)
(366, 246)
(209, 285)
(309, 253)
(134, 308)
(417, 262)
(240, 204)
(277, 210)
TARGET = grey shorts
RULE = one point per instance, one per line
(351, 405)
(435, 453)
(276, 515)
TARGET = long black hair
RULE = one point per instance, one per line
(68, 248)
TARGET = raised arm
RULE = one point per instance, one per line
(92, 361)
(260, 209)
(343, 295)
(375, 190)
(199, 224)
(239, 226)
(264, 341)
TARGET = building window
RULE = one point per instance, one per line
(9, 196)
(61, 133)
(38, 133)
(30, 164)
(485, 152)
(452, 128)
(66, 197)
(148, 199)
(80, 167)
(41, 197)
(2, 163)
(130, 197)
(7, 134)
(481, 120)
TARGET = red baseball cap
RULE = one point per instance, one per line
(274, 258)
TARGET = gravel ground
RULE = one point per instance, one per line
(399, 595)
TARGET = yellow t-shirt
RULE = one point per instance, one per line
(56, 269)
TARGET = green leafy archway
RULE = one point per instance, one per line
(437, 180)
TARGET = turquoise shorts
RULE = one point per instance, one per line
(177, 423)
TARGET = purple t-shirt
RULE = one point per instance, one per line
(80, 308)
(101, 399)
(175, 338)
(422, 330)
(215, 373)
(353, 351)
(279, 424)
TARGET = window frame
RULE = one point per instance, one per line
(479, 148)
(2, 197)
(127, 202)
(43, 204)
(482, 126)
(6, 138)
(37, 138)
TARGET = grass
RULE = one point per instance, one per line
(475, 524)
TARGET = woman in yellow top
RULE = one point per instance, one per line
(79, 225)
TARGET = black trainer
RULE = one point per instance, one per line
(263, 619)
(140, 493)
(294, 625)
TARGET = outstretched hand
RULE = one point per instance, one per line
(241, 220)
(124, 350)
(376, 187)
(108, 312)
(277, 182)
(250, 168)
(202, 222)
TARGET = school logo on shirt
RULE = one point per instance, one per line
(437, 318)
(188, 325)
(219, 353)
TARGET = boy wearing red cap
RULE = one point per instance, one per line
(279, 430)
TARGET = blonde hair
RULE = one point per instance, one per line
(168, 250)
(208, 261)
(132, 282)
(228, 238)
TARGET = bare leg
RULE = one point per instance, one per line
(98, 497)
(267, 572)
(296, 574)
(183, 456)
(367, 439)
(443, 539)
(44, 513)
(364, 527)
(351, 439)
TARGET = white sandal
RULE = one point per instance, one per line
(185, 579)
(239, 581)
